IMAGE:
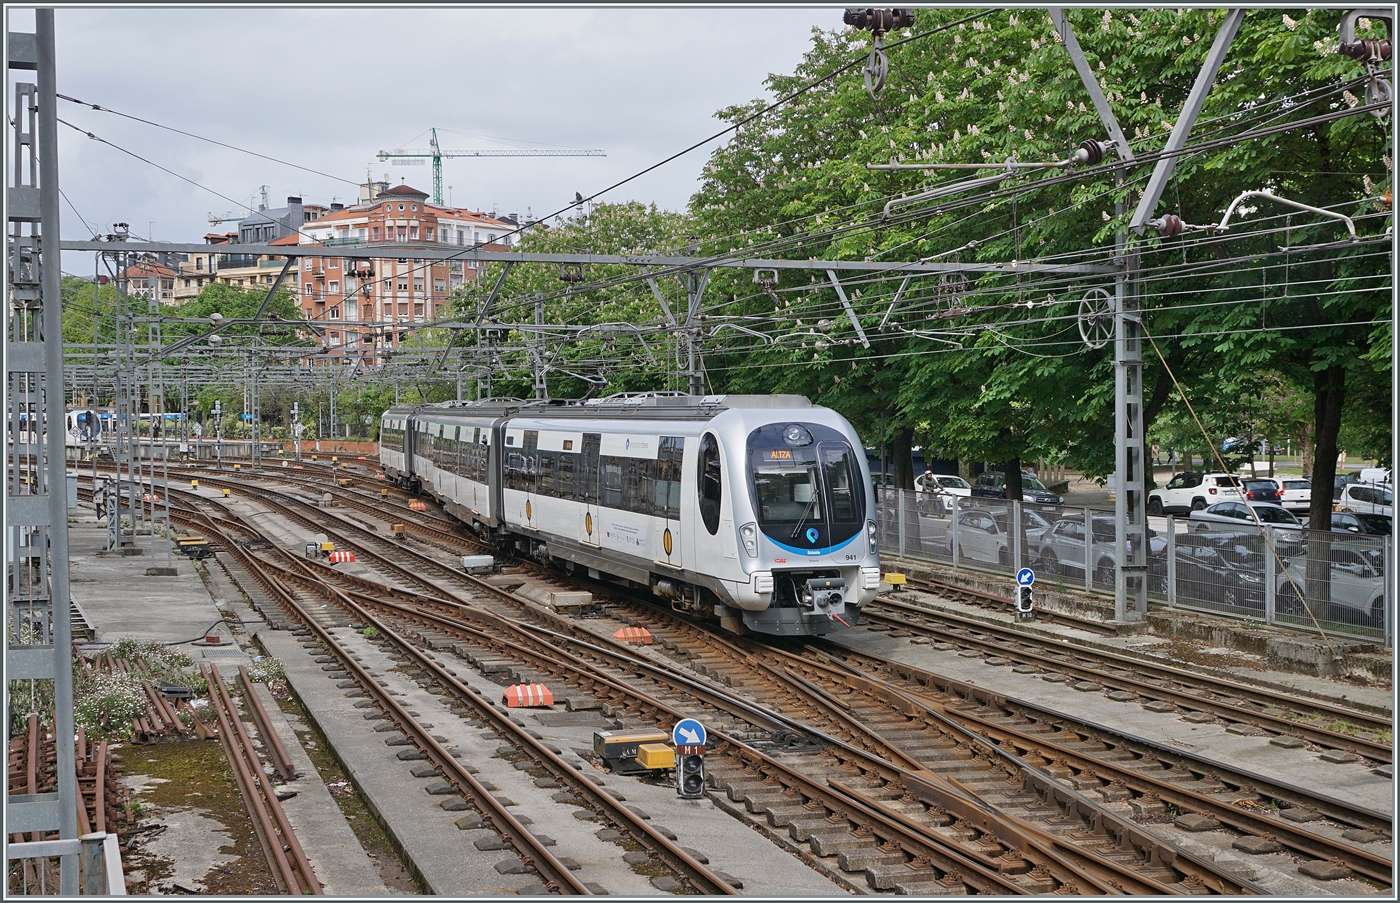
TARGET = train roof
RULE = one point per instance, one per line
(639, 406)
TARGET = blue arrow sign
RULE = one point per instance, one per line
(1025, 577)
(688, 732)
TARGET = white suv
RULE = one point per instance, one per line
(1191, 491)
(1367, 498)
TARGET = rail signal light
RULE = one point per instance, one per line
(690, 772)
(1025, 603)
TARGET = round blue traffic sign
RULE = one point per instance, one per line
(688, 732)
(1025, 577)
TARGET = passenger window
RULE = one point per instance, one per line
(709, 482)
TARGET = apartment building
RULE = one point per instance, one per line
(149, 279)
(365, 299)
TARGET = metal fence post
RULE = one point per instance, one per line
(1389, 564)
(1088, 550)
(953, 543)
(1271, 587)
(899, 512)
(1171, 560)
(94, 877)
(1016, 549)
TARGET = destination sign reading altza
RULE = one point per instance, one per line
(782, 453)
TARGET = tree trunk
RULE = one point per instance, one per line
(1305, 451)
(1013, 479)
(1329, 392)
(903, 452)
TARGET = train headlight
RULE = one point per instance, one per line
(748, 535)
(870, 534)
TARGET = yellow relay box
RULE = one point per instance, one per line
(327, 547)
(622, 749)
(652, 756)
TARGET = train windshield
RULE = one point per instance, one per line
(806, 485)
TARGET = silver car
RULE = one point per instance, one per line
(984, 534)
(1285, 530)
(1357, 589)
(1061, 549)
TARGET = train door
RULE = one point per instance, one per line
(589, 528)
(530, 477)
(666, 503)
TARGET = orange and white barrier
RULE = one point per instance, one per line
(527, 696)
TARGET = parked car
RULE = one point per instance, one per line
(1340, 482)
(1357, 591)
(984, 534)
(1224, 568)
(1367, 498)
(1297, 494)
(1263, 490)
(992, 485)
(1285, 530)
(1374, 475)
(1061, 549)
(1365, 524)
(1191, 491)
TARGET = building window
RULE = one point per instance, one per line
(403, 260)
(333, 313)
(439, 285)
(199, 263)
(362, 234)
(403, 286)
(374, 232)
(267, 279)
(461, 238)
(411, 207)
(308, 288)
(402, 233)
(428, 233)
(401, 206)
(417, 286)
(334, 263)
(187, 283)
(413, 232)
(334, 287)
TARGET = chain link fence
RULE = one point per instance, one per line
(1335, 581)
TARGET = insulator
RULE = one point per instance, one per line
(1367, 49)
(1168, 226)
(1090, 152)
(878, 20)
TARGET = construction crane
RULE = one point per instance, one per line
(436, 154)
(231, 217)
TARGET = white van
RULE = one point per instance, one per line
(1374, 475)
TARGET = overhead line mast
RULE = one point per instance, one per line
(436, 154)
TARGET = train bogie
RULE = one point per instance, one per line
(757, 510)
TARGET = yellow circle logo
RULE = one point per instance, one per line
(666, 541)
(528, 513)
(588, 523)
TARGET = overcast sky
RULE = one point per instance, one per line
(328, 88)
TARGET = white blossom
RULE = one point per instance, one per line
(1290, 24)
(973, 130)
(1350, 98)
(1106, 217)
(938, 96)
(1028, 134)
(1107, 20)
(1035, 44)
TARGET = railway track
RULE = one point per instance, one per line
(1188, 880)
(1148, 877)
(997, 604)
(1233, 702)
(535, 852)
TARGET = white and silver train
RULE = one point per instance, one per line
(758, 510)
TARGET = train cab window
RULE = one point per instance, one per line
(709, 482)
(836, 463)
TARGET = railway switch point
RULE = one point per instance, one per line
(638, 635)
(528, 696)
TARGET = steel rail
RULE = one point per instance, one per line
(997, 603)
(284, 852)
(1000, 641)
(281, 761)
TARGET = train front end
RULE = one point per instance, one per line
(809, 542)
